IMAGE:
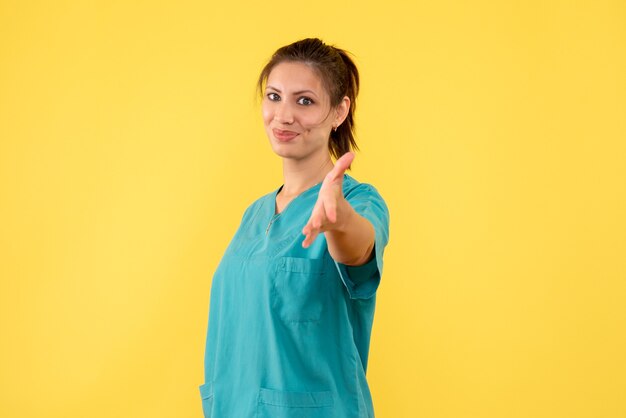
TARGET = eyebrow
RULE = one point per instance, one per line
(295, 92)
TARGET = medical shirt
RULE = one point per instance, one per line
(289, 328)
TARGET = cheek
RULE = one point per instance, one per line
(267, 114)
(311, 120)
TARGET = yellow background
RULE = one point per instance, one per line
(131, 142)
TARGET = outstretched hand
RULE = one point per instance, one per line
(329, 209)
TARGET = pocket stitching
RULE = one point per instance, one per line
(302, 265)
(286, 399)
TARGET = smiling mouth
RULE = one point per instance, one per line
(284, 135)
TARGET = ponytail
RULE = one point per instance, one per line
(342, 140)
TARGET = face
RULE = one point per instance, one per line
(296, 112)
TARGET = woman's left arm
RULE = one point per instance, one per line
(350, 236)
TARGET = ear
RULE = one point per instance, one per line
(342, 110)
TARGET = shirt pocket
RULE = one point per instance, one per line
(299, 289)
(281, 404)
(206, 393)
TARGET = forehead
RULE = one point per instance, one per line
(294, 76)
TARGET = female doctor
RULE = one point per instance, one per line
(292, 300)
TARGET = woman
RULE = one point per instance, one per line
(292, 300)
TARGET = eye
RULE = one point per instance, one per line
(273, 97)
(305, 101)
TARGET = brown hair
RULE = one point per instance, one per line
(339, 76)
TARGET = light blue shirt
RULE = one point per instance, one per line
(289, 328)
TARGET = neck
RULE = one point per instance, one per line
(300, 175)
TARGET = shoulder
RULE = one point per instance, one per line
(365, 199)
(254, 207)
(261, 200)
(353, 188)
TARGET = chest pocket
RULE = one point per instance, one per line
(299, 289)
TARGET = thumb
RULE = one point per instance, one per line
(341, 165)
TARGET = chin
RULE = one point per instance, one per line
(282, 150)
(286, 154)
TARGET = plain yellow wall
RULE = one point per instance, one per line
(131, 143)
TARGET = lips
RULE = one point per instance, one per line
(284, 135)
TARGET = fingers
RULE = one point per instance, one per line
(310, 238)
(311, 233)
(314, 225)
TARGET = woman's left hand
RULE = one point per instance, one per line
(330, 208)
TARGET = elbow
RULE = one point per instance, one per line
(363, 259)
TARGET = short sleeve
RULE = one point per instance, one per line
(362, 281)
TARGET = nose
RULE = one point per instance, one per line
(283, 113)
